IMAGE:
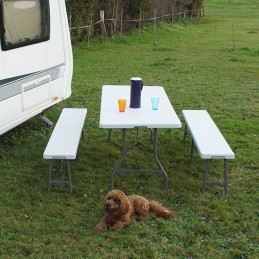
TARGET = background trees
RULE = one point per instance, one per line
(82, 13)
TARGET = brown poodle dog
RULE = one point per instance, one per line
(120, 208)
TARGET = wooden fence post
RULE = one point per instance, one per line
(121, 20)
(155, 43)
(172, 13)
(104, 33)
(139, 23)
(162, 17)
(90, 28)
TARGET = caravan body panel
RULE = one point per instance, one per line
(35, 70)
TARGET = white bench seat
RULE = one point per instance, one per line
(64, 141)
(211, 144)
(208, 140)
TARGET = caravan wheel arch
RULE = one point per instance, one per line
(35, 59)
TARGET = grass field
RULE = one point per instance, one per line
(208, 64)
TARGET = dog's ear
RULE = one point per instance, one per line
(125, 206)
(124, 202)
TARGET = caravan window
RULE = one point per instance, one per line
(24, 22)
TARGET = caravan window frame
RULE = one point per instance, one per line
(44, 23)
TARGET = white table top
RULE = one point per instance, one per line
(110, 117)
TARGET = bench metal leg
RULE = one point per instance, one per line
(78, 151)
(50, 175)
(192, 149)
(83, 134)
(205, 175)
(225, 176)
(69, 176)
(185, 133)
(184, 139)
(60, 182)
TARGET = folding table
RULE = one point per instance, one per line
(111, 118)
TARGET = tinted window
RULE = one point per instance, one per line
(24, 22)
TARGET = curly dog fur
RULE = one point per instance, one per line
(120, 208)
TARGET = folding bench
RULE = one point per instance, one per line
(208, 141)
(64, 141)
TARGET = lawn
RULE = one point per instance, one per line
(209, 64)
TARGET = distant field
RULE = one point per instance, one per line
(209, 64)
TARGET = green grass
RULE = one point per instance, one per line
(209, 64)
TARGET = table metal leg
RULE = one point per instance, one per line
(151, 135)
(157, 160)
(109, 136)
(123, 154)
(117, 169)
(137, 135)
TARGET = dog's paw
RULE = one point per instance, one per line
(139, 217)
(98, 229)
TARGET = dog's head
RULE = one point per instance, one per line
(116, 202)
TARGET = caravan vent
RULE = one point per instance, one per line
(36, 93)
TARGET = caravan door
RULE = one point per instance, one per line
(35, 58)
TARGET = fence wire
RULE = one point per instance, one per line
(180, 14)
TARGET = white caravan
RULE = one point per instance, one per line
(35, 59)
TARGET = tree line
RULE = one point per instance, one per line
(86, 12)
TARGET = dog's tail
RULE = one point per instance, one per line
(160, 210)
